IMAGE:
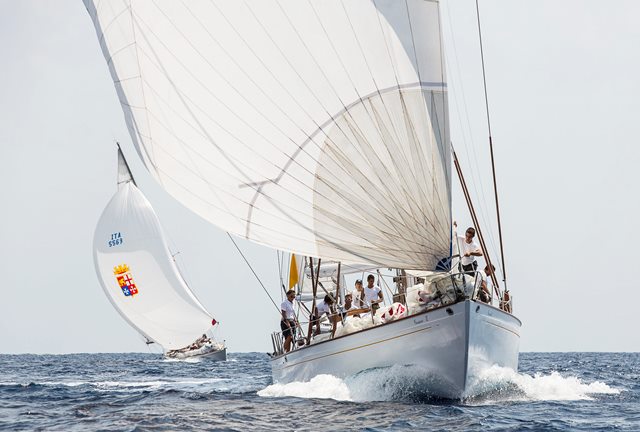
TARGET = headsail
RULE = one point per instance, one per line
(318, 127)
(139, 276)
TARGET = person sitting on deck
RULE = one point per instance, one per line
(347, 306)
(358, 295)
(324, 307)
(202, 340)
(372, 294)
(288, 320)
(484, 294)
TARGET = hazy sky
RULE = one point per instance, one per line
(564, 95)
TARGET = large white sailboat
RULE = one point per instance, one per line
(319, 128)
(141, 279)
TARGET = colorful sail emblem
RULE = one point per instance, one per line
(125, 280)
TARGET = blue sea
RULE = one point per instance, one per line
(139, 392)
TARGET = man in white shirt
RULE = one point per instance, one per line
(324, 307)
(358, 295)
(469, 250)
(288, 320)
(347, 306)
(372, 294)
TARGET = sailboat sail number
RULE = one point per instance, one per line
(116, 239)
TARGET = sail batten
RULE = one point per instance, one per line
(313, 127)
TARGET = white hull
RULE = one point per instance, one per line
(451, 345)
(215, 355)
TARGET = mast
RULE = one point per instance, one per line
(314, 287)
(493, 167)
(474, 217)
(124, 172)
(337, 297)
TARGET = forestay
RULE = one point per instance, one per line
(139, 276)
(316, 126)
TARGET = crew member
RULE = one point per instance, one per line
(372, 294)
(288, 320)
(324, 307)
(358, 295)
(484, 294)
(469, 250)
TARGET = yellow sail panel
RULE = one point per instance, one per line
(293, 272)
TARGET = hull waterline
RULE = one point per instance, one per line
(218, 355)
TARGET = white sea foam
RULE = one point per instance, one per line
(539, 387)
(320, 387)
(409, 382)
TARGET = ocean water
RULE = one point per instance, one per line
(551, 392)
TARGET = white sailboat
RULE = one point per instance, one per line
(319, 128)
(142, 281)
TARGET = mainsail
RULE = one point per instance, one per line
(318, 127)
(139, 275)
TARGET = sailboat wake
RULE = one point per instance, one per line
(500, 384)
(408, 383)
(320, 387)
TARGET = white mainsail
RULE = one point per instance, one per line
(318, 126)
(139, 275)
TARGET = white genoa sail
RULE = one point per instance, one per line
(318, 127)
(139, 275)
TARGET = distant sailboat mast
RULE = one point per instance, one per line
(124, 172)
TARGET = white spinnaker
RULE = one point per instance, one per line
(313, 126)
(164, 310)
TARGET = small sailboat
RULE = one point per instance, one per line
(318, 128)
(141, 279)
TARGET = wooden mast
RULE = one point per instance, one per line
(474, 217)
(314, 289)
(335, 303)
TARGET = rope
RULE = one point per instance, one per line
(254, 273)
(280, 272)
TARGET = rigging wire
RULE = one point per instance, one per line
(493, 168)
(280, 273)
(254, 272)
(453, 64)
